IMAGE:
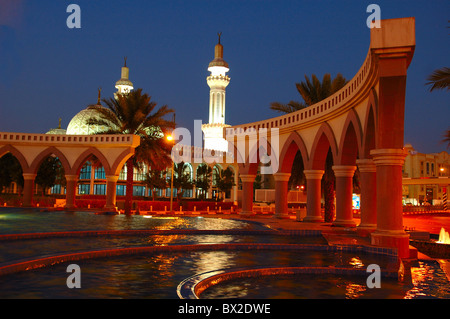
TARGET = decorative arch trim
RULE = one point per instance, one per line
(17, 154)
(84, 157)
(351, 140)
(324, 139)
(121, 160)
(370, 126)
(293, 144)
(48, 152)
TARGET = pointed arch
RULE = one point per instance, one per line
(293, 144)
(263, 148)
(46, 153)
(17, 154)
(324, 140)
(120, 161)
(370, 126)
(350, 142)
(83, 157)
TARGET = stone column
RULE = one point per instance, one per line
(389, 232)
(91, 180)
(111, 183)
(281, 194)
(247, 194)
(71, 187)
(344, 190)
(313, 195)
(368, 204)
(235, 188)
(28, 189)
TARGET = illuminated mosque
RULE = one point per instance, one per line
(92, 179)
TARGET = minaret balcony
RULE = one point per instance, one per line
(218, 80)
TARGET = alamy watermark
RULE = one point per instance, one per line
(74, 279)
(74, 19)
(374, 279)
(373, 20)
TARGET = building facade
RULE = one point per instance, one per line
(427, 170)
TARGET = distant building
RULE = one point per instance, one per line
(425, 167)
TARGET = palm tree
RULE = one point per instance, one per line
(134, 113)
(439, 79)
(203, 181)
(49, 173)
(181, 179)
(155, 179)
(447, 138)
(225, 181)
(313, 92)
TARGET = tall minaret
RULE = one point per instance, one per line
(124, 85)
(217, 81)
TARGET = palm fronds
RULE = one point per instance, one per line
(312, 91)
(439, 79)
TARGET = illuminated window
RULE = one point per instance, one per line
(84, 189)
(100, 189)
(100, 173)
(85, 172)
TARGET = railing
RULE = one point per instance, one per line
(424, 209)
(7, 138)
(324, 107)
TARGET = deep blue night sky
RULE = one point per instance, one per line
(48, 71)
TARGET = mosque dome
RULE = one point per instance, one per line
(57, 130)
(78, 125)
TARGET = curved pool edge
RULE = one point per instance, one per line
(29, 264)
(194, 286)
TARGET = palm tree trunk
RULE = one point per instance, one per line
(129, 186)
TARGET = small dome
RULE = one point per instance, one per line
(78, 125)
(59, 131)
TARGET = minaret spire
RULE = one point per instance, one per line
(99, 96)
(217, 81)
(124, 85)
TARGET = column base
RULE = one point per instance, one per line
(244, 213)
(344, 223)
(364, 230)
(392, 239)
(110, 209)
(313, 219)
(367, 226)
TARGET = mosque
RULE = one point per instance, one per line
(92, 178)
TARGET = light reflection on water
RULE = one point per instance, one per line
(15, 220)
(157, 275)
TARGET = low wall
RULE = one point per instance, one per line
(432, 249)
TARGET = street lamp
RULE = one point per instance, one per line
(170, 139)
